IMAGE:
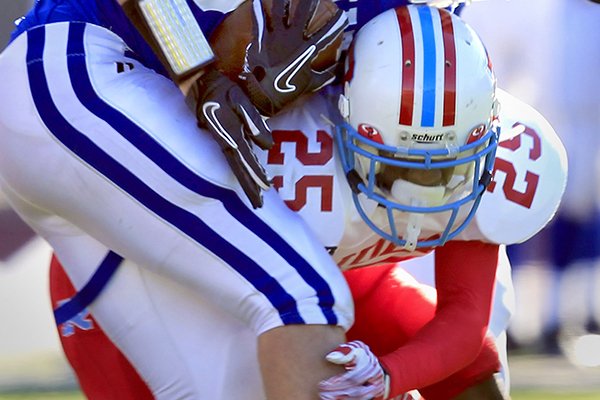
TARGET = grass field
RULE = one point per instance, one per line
(533, 377)
(517, 395)
(43, 396)
(535, 395)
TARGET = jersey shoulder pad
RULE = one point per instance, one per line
(530, 175)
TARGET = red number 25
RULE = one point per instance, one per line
(522, 198)
(321, 157)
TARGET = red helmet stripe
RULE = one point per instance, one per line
(350, 71)
(449, 70)
(408, 68)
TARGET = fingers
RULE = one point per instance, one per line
(364, 378)
(267, 103)
(212, 115)
(254, 123)
(248, 183)
(334, 27)
(228, 131)
(241, 158)
(278, 66)
(302, 13)
(252, 167)
(278, 12)
(231, 135)
(226, 112)
(322, 78)
(343, 354)
(259, 24)
(257, 128)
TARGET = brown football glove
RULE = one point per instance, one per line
(226, 112)
(277, 68)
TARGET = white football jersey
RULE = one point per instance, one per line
(529, 180)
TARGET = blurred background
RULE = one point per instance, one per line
(30, 355)
(547, 53)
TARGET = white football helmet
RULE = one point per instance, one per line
(420, 130)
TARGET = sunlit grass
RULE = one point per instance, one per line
(544, 395)
(73, 395)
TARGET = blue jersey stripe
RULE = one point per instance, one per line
(429, 61)
(181, 218)
(90, 291)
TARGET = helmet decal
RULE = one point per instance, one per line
(476, 134)
(370, 132)
(449, 70)
(408, 72)
(350, 68)
(429, 70)
(432, 31)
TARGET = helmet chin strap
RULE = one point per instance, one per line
(418, 196)
(412, 231)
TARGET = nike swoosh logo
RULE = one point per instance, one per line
(291, 70)
(209, 110)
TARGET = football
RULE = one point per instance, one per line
(230, 39)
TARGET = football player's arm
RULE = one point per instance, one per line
(465, 276)
(222, 107)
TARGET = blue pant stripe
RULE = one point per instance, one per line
(181, 218)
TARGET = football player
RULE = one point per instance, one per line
(103, 158)
(409, 176)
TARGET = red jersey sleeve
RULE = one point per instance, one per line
(465, 276)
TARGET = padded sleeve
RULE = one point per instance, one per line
(465, 275)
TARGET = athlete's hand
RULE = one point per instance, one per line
(364, 378)
(277, 68)
(224, 109)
